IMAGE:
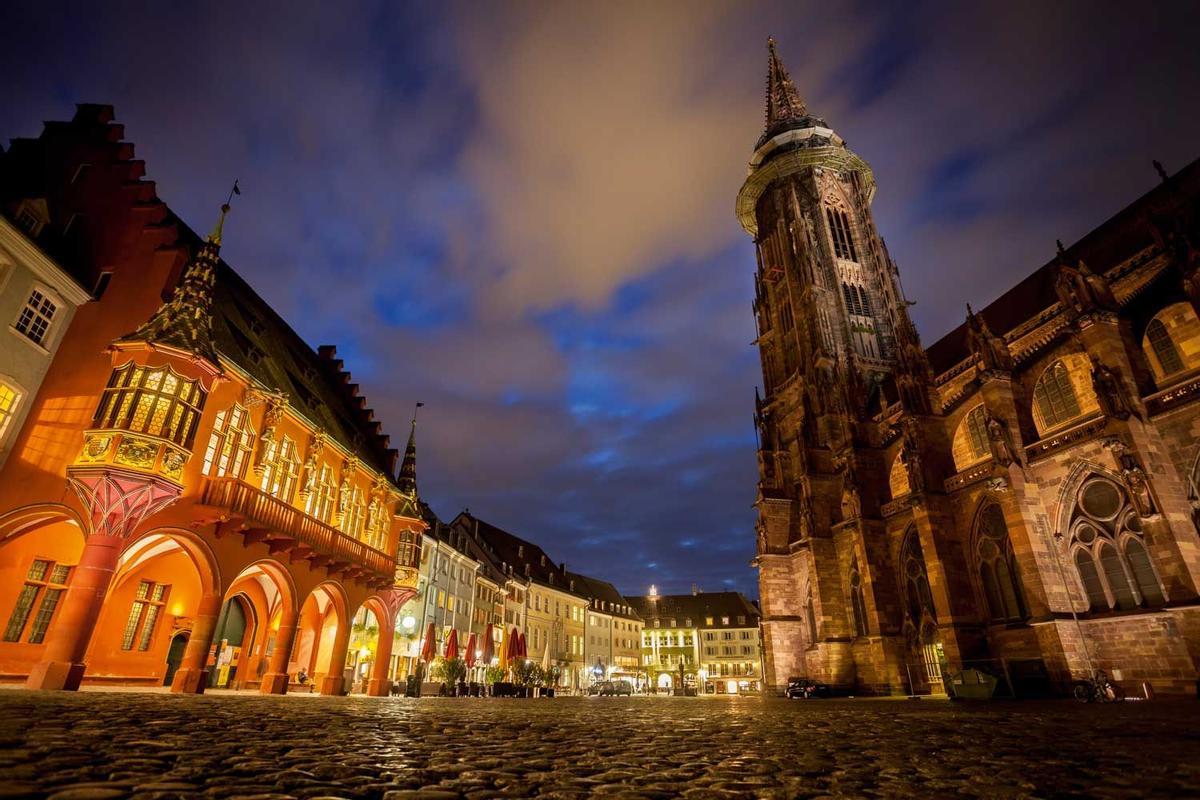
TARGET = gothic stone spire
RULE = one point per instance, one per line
(408, 467)
(784, 104)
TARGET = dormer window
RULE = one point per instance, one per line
(28, 222)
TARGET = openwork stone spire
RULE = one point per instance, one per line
(784, 104)
(185, 322)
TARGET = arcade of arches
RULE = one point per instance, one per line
(184, 613)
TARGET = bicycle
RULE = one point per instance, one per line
(1098, 689)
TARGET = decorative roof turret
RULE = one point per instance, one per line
(185, 322)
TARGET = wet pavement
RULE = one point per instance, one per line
(100, 745)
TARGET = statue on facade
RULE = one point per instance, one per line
(316, 446)
(990, 351)
(999, 441)
(272, 416)
(1080, 290)
(1134, 476)
(1110, 393)
(851, 503)
(346, 488)
(910, 455)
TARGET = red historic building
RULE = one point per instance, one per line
(1020, 497)
(196, 498)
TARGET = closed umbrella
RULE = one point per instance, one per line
(469, 656)
(524, 650)
(452, 645)
(546, 658)
(489, 647)
(429, 649)
(505, 646)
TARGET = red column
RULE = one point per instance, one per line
(192, 675)
(380, 684)
(275, 681)
(62, 665)
(334, 681)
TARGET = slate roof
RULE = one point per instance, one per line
(596, 589)
(519, 553)
(698, 607)
(1109, 245)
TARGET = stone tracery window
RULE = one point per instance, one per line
(997, 568)
(1109, 551)
(1054, 398)
(230, 444)
(1164, 349)
(917, 596)
(843, 238)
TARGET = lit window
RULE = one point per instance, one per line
(230, 444)
(36, 316)
(1164, 349)
(9, 397)
(1054, 396)
(320, 500)
(354, 520)
(281, 469)
(977, 436)
(47, 579)
(155, 402)
(143, 616)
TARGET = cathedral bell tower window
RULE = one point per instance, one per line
(843, 240)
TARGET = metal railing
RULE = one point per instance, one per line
(266, 511)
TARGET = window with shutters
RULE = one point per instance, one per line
(45, 583)
(1109, 550)
(144, 615)
(1054, 398)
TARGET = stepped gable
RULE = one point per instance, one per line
(247, 331)
(1119, 238)
(697, 607)
(597, 589)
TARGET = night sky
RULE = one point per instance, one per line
(522, 215)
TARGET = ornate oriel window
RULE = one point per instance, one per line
(322, 499)
(155, 402)
(858, 605)
(143, 615)
(45, 580)
(997, 567)
(1109, 551)
(282, 466)
(230, 444)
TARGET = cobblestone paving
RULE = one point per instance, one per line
(95, 746)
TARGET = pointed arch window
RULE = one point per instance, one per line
(1054, 396)
(918, 598)
(1109, 549)
(1163, 347)
(843, 239)
(230, 444)
(976, 430)
(997, 566)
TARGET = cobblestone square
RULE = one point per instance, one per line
(101, 745)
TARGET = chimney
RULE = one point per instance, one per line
(520, 551)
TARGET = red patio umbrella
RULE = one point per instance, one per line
(489, 646)
(452, 645)
(469, 656)
(429, 649)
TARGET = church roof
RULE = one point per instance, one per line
(1112, 243)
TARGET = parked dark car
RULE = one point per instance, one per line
(804, 689)
(611, 688)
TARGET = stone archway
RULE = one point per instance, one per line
(324, 637)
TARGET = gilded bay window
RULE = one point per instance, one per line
(153, 402)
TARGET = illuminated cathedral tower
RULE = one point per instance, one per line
(837, 346)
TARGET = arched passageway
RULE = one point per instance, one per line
(323, 639)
